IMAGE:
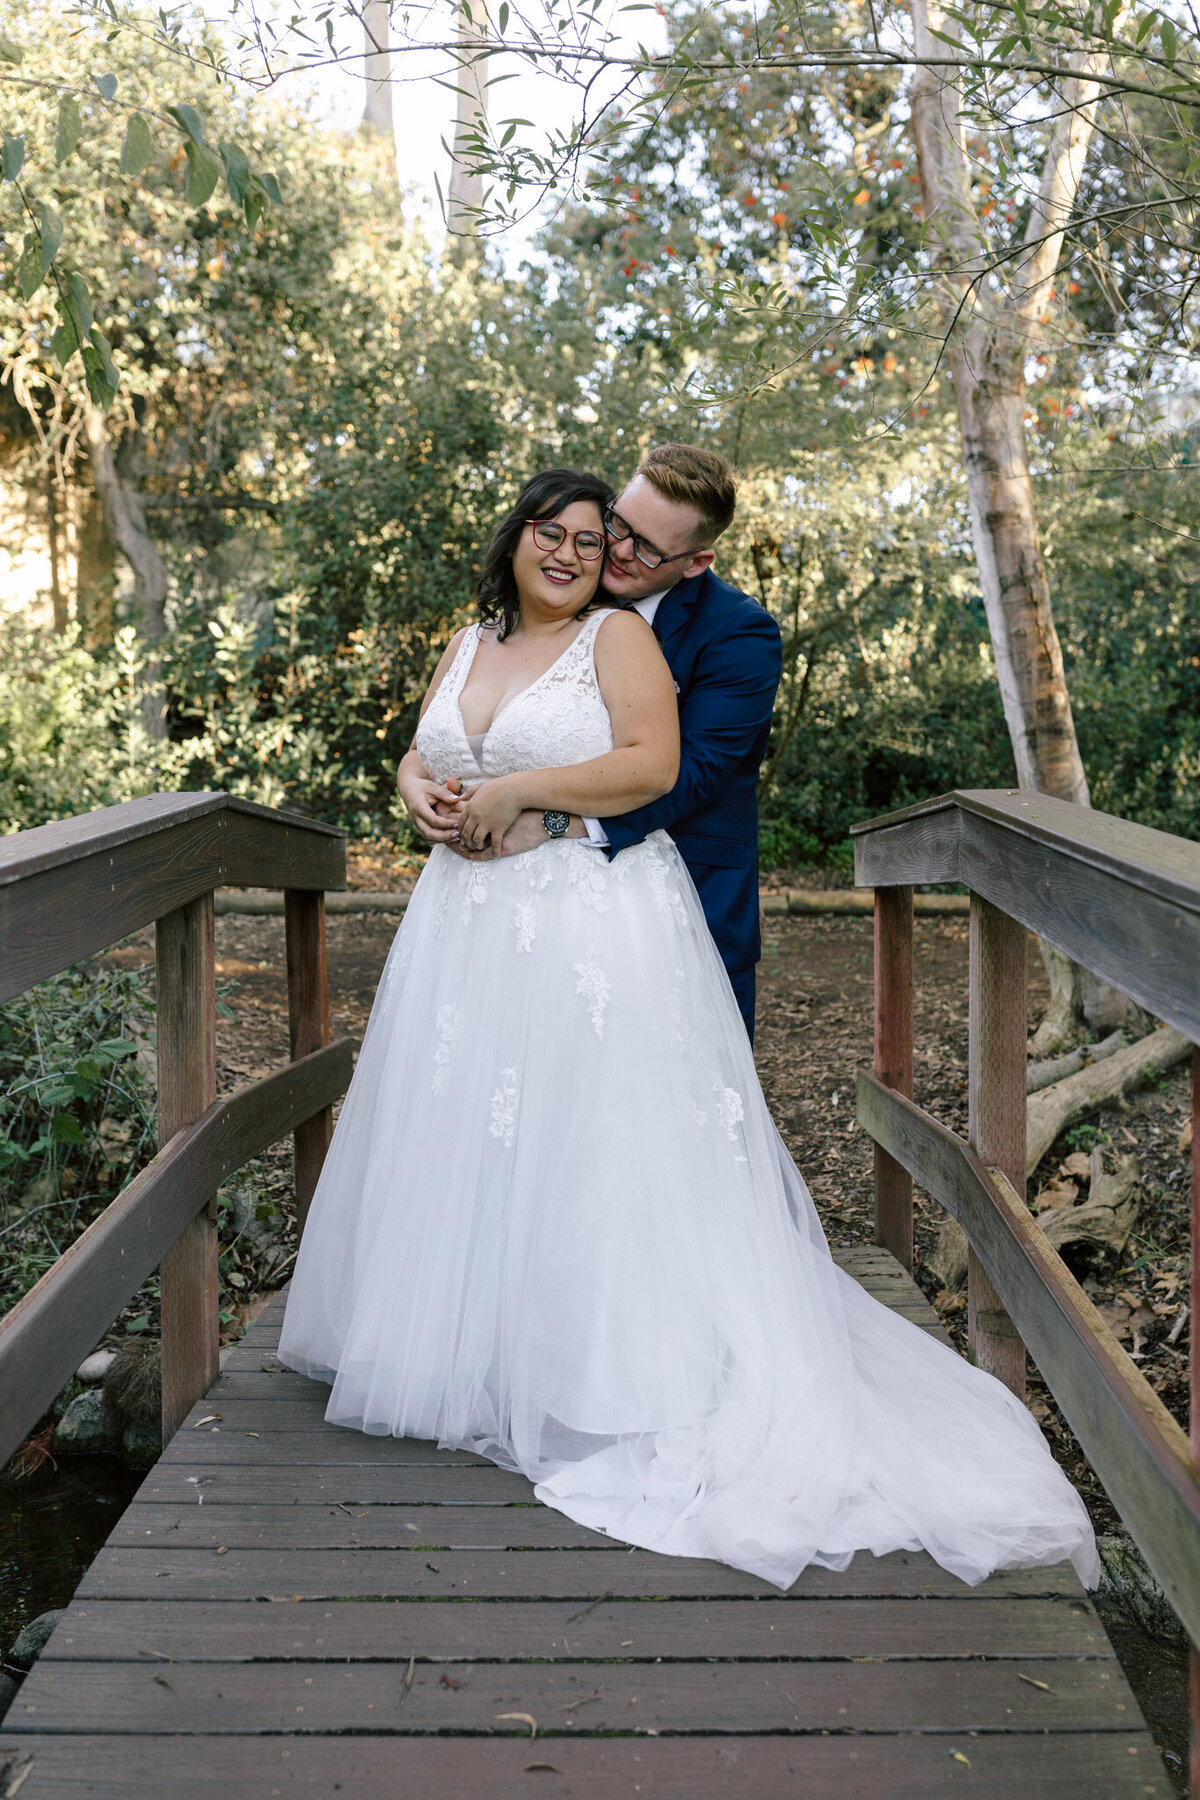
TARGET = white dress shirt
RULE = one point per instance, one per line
(648, 605)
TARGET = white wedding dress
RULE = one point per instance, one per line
(557, 1226)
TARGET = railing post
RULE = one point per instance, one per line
(1195, 1398)
(894, 1059)
(308, 1026)
(996, 1111)
(187, 1087)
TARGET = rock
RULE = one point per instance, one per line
(141, 1444)
(133, 1384)
(1105, 1219)
(1129, 1590)
(28, 1645)
(88, 1427)
(96, 1366)
(947, 1257)
(9, 1689)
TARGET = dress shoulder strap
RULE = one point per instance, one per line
(457, 673)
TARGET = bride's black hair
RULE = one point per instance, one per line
(547, 495)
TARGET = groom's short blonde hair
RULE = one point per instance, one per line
(693, 477)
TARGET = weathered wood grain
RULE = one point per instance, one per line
(333, 1448)
(1119, 898)
(730, 1698)
(435, 1483)
(821, 1626)
(308, 1028)
(996, 1112)
(45, 1336)
(893, 1050)
(1127, 1434)
(128, 1574)
(337, 1527)
(73, 887)
(186, 1045)
(1004, 1766)
(910, 848)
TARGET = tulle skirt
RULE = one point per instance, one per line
(557, 1226)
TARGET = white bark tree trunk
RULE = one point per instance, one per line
(465, 196)
(993, 313)
(377, 68)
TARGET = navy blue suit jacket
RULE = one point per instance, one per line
(723, 650)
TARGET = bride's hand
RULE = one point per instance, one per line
(488, 810)
(432, 806)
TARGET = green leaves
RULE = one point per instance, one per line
(100, 371)
(107, 85)
(135, 151)
(41, 247)
(12, 157)
(77, 331)
(1170, 41)
(70, 128)
(203, 172)
(189, 119)
(10, 52)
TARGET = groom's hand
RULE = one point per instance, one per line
(527, 832)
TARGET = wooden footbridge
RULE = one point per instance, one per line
(291, 1608)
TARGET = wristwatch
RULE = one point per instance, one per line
(557, 823)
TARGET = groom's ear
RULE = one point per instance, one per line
(703, 559)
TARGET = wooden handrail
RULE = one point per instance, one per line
(49, 1331)
(1139, 1452)
(70, 889)
(1124, 901)
(1121, 899)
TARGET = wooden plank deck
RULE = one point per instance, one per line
(292, 1609)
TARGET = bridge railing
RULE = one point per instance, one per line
(71, 889)
(1124, 902)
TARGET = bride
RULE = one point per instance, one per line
(556, 1225)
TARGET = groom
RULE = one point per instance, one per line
(723, 650)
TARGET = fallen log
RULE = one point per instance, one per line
(1056, 1068)
(1054, 1108)
(1105, 1219)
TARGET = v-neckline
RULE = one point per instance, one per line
(509, 704)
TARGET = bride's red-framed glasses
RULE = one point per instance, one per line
(548, 534)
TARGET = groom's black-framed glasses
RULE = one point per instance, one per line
(548, 534)
(620, 530)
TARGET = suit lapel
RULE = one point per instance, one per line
(673, 613)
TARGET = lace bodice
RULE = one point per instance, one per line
(557, 720)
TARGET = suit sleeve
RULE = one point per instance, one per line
(728, 705)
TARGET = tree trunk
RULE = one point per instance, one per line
(992, 324)
(465, 197)
(377, 67)
(95, 573)
(126, 523)
(58, 597)
(1012, 573)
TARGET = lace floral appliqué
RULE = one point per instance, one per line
(730, 1110)
(448, 1021)
(587, 875)
(592, 984)
(504, 1108)
(524, 923)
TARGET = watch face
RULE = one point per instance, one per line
(557, 823)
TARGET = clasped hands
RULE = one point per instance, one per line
(487, 820)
